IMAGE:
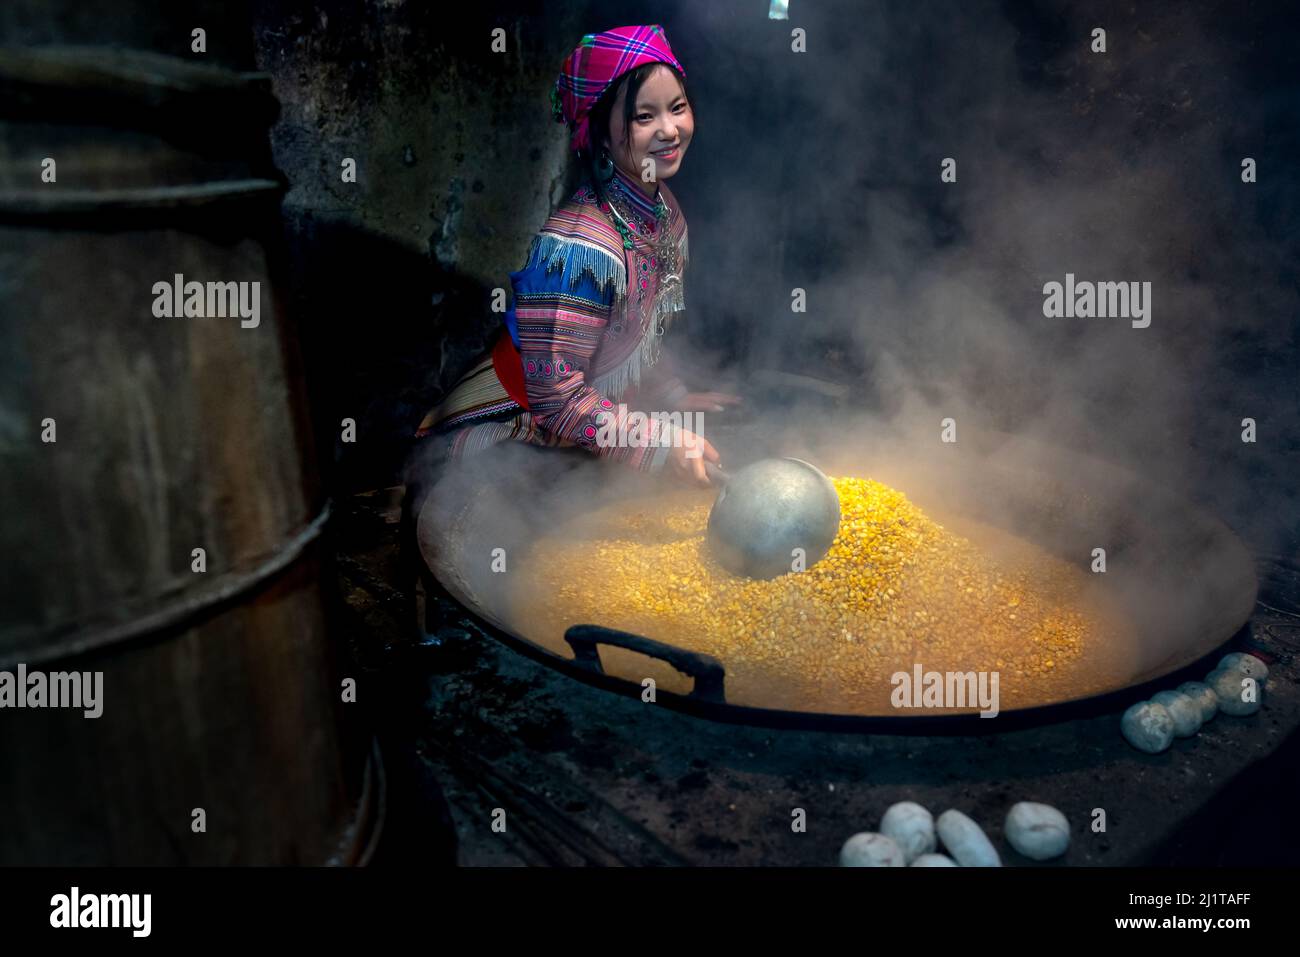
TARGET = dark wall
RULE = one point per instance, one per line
(459, 162)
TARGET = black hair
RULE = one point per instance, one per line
(598, 119)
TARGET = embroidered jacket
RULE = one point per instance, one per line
(584, 331)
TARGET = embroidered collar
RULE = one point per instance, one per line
(632, 194)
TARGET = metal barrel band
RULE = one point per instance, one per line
(128, 87)
(183, 611)
(92, 206)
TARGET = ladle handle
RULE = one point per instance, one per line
(715, 474)
(707, 671)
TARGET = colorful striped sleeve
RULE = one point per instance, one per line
(563, 300)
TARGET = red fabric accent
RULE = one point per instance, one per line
(509, 368)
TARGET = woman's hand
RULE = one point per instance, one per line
(689, 468)
(707, 401)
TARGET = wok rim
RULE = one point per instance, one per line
(942, 722)
(1174, 670)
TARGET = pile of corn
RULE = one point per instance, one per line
(896, 589)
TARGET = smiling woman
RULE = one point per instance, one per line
(648, 121)
(603, 281)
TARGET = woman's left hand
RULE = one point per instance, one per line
(707, 401)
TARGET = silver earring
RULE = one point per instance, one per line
(605, 166)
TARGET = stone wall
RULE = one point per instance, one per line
(458, 163)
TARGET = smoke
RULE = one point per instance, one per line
(821, 171)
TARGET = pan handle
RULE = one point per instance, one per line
(707, 671)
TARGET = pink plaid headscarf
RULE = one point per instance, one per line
(597, 62)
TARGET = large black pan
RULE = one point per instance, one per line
(1185, 582)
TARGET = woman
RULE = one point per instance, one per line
(602, 281)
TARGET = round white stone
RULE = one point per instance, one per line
(1038, 831)
(1183, 709)
(964, 840)
(1230, 687)
(1204, 696)
(1248, 665)
(870, 850)
(911, 827)
(1148, 727)
(934, 860)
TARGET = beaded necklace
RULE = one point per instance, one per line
(665, 258)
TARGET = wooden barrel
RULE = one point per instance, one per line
(224, 737)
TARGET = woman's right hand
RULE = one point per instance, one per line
(686, 458)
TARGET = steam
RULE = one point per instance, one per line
(1122, 166)
(821, 171)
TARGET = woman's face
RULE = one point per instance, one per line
(661, 128)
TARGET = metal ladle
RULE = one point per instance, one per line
(767, 511)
